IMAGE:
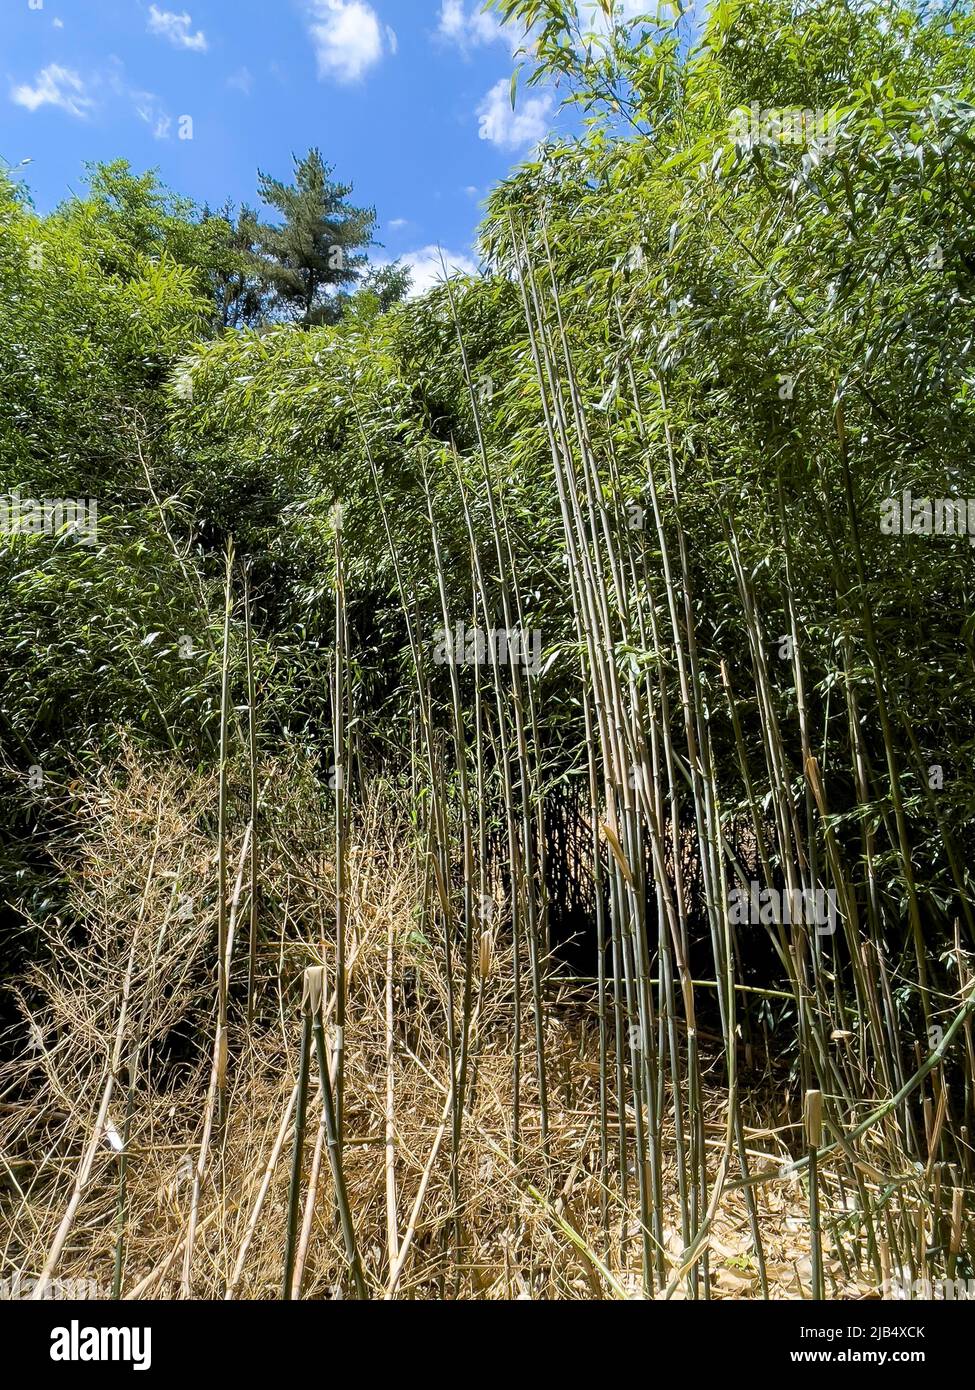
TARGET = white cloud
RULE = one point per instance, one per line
(426, 267)
(145, 105)
(147, 108)
(176, 28)
(58, 23)
(241, 80)
(348, 37)
(55, 86)
(398, 223)
(593, 17)
(508, 129)
(468, 25)
(465, 23)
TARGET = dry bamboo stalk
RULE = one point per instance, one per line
(218, 1073)
(392, 1222)
(255, 1215)
(308, 1217)
(88, 1158)
(955, 1237)
(396, 1272)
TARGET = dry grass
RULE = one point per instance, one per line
(125, 998)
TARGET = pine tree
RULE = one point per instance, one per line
(313, 254)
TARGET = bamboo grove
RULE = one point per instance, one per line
(572, 596)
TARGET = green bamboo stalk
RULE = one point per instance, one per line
(222, 835)
(314, 994)
(255, 858)
(340, 777)
(814, 1130)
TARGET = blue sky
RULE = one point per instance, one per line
(407, 98)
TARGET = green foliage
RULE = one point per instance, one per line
(239, 283)
(757, 287)
(389, 284)
(751, 287)
(87, 328)
(738, 299)
(132, 217)
(93, 314)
